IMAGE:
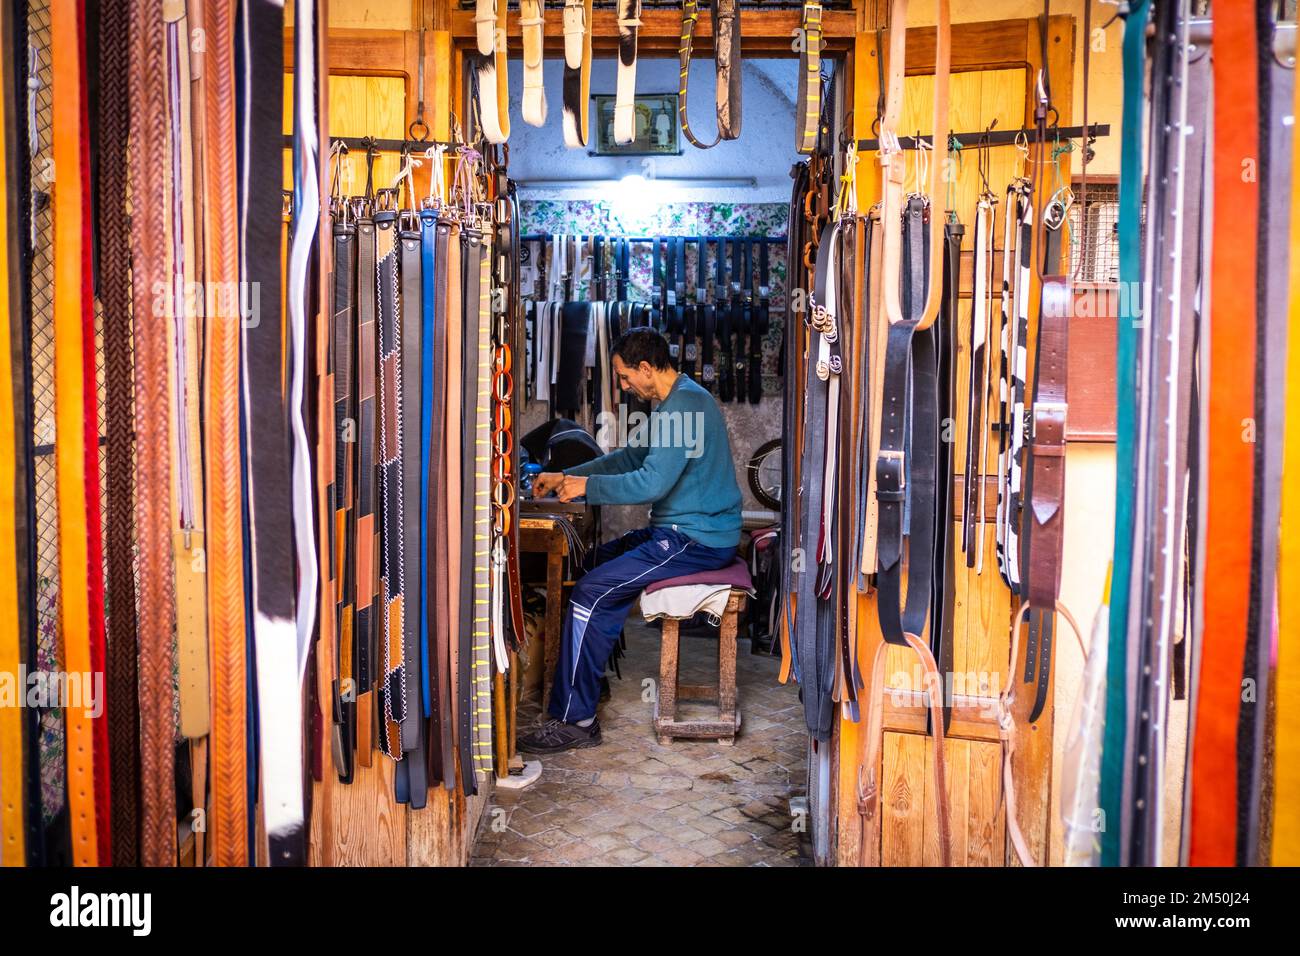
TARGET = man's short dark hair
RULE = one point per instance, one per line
(643, 344)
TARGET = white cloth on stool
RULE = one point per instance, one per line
(685, 601)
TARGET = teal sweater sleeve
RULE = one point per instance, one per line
(651, 481)
(617, 462)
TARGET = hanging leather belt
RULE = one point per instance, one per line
(808, 107)
(910, 379)
(727, 62)
(148, 164)
(577, 71)
(977, 386)
(674, 300)
(227, 627)
(81, 606)
(363, 637)
(722, 313)
(1017, 262)
(344, 350)
(739, 314)
(629, 20)
(115, 294)
(758, 327)
(708, 317)
(13, 843)
(433, 343)
(490, 22)
(392, 700)
(270, 501)
(532, 25)
(690, 311)
(188, 545)
(409, 401)
(482, 524)
(447, 485)
(1113, 769)
(943, 598)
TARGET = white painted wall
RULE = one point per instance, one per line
(764, 151)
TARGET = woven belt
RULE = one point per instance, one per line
(532, 24)
(115, 295)
(148, 183)
(490, 22)
(727, 63)
(808, 108)
(227, 628)
(577, 71)
(629, 20)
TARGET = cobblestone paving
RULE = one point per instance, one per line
(632, 802)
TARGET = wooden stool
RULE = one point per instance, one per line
(727, 724)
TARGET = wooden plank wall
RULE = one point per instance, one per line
(906, 832)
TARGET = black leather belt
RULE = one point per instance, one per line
(708, 317)
(363, 638)
(345, 277)
(722, 313)
(739, 314)
(759, 322)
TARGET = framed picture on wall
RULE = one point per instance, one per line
(656, 126)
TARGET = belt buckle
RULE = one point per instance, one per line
(1046, 408)
(708, 374)
(890, 483)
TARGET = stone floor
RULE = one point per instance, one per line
(633, 802)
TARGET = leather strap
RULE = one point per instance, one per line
(727, 64)
(577, 71)
(81, 608)
(189, 553)
(148, 163)
(629, 21)
(490, 22)
(1114, 761)
(1234, 360)
(977, 385)
(708, 317)
(808, 107)
(480, 455)
(690, 312)
(270, 500)
(113, 238)
(227, 627)
(722, 310)
(532, 24)
(739, 315)
(367, 363)
(761, 303)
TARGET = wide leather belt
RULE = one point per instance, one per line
(227, 626)
(113, 239)
(490, 23)
(1237, 340)
(272, 502)
(808, 107)
(910, 379)
(629, 21)
(343, 300)
(708, 317)
(148, 163)
(690, 312)
(1113, 769)
(759, 326)
(81, 598)
(577, 71)
(532, 24)
(944, 594)
(447, 546)
(727, 62)
(1017, 263)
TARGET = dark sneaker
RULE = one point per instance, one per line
(555, 736)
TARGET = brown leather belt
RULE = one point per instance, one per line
(808, 107)
(227, 628)
(148, 163)
(115, 294)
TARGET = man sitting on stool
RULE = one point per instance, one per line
(680, 463)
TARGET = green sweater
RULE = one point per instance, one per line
(680, 463)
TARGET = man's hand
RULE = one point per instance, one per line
(572, 487)
(547, 482)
